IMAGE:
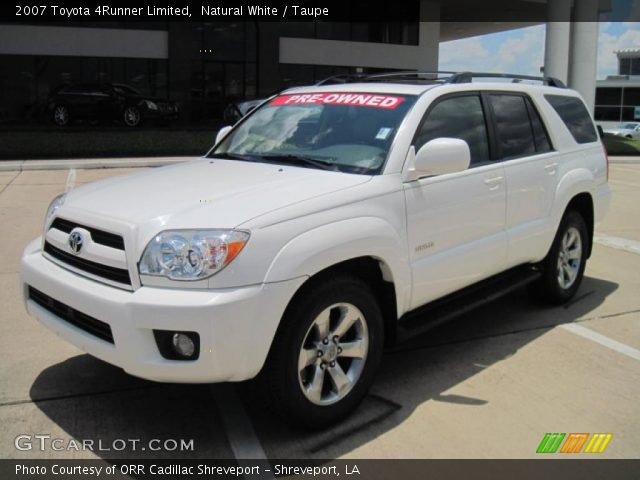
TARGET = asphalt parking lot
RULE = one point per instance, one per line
(489, 384)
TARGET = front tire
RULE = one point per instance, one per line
(326, 353)
(563, 267)
(132, 116)
(61, 115)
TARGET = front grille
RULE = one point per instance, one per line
(72, 316)
(99, 236)
(114, 274)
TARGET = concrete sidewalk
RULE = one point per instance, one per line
(628, 159)
(92, 163)
(88, 163)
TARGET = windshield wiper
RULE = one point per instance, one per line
(291, 158)
(235, 156)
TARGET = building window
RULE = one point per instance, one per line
(609, 96)
(617, 104)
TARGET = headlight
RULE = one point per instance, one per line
(191, 254)
(151, 105)
(55, 204)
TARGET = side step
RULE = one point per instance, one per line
(439, 311)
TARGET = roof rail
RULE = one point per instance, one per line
(467, 77)
(434, 76)
(341, 78)
(428, 75)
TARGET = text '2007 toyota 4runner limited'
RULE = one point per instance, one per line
(303, 243)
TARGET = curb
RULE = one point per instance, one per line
(95, 163)
(89, 163)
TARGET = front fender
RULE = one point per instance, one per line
(336, 242)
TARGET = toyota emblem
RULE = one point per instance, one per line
(76, 241)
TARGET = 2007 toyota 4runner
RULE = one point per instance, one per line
(298, 246)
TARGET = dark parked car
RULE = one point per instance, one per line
(107, 102)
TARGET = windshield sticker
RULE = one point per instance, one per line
(383, 133)
(388, 102)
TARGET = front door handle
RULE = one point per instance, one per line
(493, 183)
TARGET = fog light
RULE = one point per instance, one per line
(183, 345)
(172, 345)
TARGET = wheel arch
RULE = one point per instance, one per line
(341, 243)
(574, 191)
(583, 204)
(368, 248)
(372, 271)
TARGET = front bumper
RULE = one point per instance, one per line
(236, 325)
(161, 114)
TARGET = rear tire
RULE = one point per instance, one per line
(325, 354)
(563, 267)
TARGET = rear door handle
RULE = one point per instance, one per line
(551, 167)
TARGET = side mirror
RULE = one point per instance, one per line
(437, 157)
(222, 133)
(600, 131)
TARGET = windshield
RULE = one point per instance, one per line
(126, 89)
(628, 126)
(349, 132)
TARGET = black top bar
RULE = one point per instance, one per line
(435, 76)
(467, 77)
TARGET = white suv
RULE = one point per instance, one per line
(306, 239)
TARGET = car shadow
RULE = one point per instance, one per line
(90, 399)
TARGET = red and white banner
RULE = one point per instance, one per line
(388, 102)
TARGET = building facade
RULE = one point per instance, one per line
(206, 65)
(618, 97)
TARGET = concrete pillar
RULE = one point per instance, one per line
(428, 36)
(557, 37)
(181, 53)
(584, 50)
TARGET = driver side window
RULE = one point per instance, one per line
(457, 117)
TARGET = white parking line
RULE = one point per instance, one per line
(602, 340)
(632, 246)
(242, 437)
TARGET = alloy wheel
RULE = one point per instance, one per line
(61, 115)
(131, 116)
(569, 258)
(333, 354)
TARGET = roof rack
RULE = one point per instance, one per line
(341, 78)
(434, 76)
(467, 77)
(426, 76)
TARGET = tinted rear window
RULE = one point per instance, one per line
(575, 116)
(513, 126)
(543, 144)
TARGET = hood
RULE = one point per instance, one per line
(205, 193)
